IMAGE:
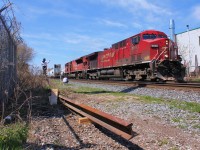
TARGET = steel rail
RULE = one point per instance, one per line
(195, 86)
(114, 124)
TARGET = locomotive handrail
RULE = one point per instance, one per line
(161, 54)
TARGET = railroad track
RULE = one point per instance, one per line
(171, 85)
(112, 123)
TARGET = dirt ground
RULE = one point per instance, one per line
(151, 132)
(55, 127)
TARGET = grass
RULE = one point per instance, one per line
(12, 136)
(176, 120)
(195, 79)
(89, 90)
(174, 148)
(58, 84)
(182, 126)
(189, 106)
(149, 99)
(197, 126)
(163, 142)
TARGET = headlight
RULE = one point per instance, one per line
(154, 46)
(167, 42)
(166, 56)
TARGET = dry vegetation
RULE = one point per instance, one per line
(29, 88)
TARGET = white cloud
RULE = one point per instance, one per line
(135, 5)
(137, 25)
(75, 38)
(40, 36)
(112, 23)
(196, 12)
(152, 7)
(33, 12)
(86, 41)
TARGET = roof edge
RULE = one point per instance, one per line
(187, 31)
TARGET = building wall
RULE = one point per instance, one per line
(189, 46)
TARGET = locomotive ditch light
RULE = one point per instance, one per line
(154, 46)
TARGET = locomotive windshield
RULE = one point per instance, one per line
(149, 36)
(153, 36)
(162, 36)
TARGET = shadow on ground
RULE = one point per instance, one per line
(119, 139)
(32, 146)
(132, 88)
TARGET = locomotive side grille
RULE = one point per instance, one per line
(133, 58)
(93, 64)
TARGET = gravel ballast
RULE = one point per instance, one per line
(155, 125)
(188, 96)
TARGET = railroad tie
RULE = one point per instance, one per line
(84, 120)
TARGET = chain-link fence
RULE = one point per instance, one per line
(8, 75)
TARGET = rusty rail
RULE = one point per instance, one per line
(114, 124)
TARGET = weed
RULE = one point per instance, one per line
(117, 94)
(163, 142)
(195, 79)
(191, 106)
(89, 90)
(149, 99)
(174, 148)
(57, 142)
(12, 136)
(196, 126)
(176, 119)
(182, 126)
(193, 117)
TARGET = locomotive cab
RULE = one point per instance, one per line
(164, 59)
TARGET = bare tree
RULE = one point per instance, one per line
(24, 53)
(17, 77)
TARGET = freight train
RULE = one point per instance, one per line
(149, 55)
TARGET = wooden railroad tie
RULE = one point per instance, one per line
(84, 120)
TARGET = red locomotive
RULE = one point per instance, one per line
(147, 55)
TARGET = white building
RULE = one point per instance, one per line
(189, 46)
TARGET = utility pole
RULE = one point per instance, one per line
(189, 51)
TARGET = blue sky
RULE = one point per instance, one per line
(63, 30)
